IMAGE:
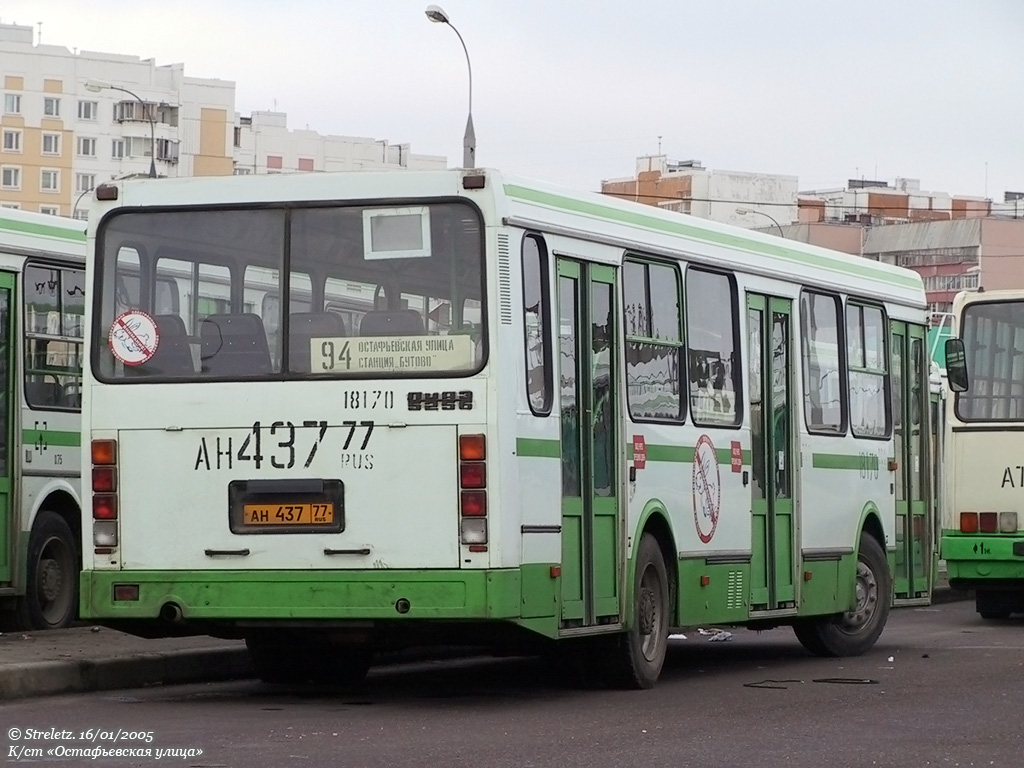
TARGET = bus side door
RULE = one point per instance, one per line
(8, 388)
(588, 405)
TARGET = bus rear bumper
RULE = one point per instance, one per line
(235, 596)
(973, 560)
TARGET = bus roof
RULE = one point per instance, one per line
(552, 208)
(25, 232)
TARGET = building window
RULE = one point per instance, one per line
(11, 206)
(167, 150)
(238, 136)
(536, 319)
(242, 171)
(86, 146)
(305, 163)
(10, 178)
(12, 141)
(51, 106)
(654, 341)
(51, 143)
(49, 180)
(133, 110)
(84, 182)
(275, 161)
(49, 210)
(87, 110)
(137, 146)
(117, 149)
(82, 214)
(867, 371)
(823, 391)
(711, 333)
(12, 103)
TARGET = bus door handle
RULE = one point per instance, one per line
(226, 552)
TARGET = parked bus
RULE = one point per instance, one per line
(42, 318)
(551, 420)
(983, 520)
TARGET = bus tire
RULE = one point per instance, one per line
(637, 656)
(51, 587)
(856, 631)
(991, 605)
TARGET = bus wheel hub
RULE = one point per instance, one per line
(49, 579)
(647, 609)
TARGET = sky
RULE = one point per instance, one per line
(573, 91)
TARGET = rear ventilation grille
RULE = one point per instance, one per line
(734, 596)
(504, 281)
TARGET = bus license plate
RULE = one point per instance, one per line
(312, 514)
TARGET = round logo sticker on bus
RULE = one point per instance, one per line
(707, 488)
(133, 337)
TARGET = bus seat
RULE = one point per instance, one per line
(403, 322)
(306, 326)
(234, 345)
(44, 394)
(173, 356)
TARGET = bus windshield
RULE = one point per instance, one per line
(993, 336)
(347, 291)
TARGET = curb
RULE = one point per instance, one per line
(50, 678)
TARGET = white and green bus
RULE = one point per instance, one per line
(485, 410)
(983, 513)
(42, 320)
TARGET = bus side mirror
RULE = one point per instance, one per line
(956, 365)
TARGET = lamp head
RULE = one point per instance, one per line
(95, 85)
(436, 14)
(742, 211)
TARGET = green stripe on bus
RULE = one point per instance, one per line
(682, 454)
(844, 461)
(51, 437)
(44, 230)
(639, 219)
(532, 446)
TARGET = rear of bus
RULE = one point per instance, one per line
(983, 530)
(287, 405)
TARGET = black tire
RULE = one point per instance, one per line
(635, 658)
(51, 588)
(992, 606)
(856, 631)
(292, 661)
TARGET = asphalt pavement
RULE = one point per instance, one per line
(96, 659)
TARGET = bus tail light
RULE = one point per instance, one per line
(1008, 522)
(104, 494)
(472, 496)
(968, 522)
(988, 522)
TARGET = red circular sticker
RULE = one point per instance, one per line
(133, 337)
(707, 488)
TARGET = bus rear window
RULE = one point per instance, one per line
(993, 335)
(368, 291)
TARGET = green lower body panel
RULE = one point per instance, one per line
(324, 595)
(975, 559)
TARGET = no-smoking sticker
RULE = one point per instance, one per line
(133, 337)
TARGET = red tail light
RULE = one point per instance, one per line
(104, 506)
(474, 503)
(473, 474)
(989, 522)
(104, 479)
(968, 522)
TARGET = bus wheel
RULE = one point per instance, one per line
(51, 589)
(637, 656)
(854, 632)
(992, 605)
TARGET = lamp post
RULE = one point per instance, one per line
(96, 86)
(436, 14)
(747, 211)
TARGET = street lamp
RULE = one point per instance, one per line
(747, 211)
(97, 85)
(436, 14)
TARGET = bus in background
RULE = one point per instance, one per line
(338, 413)
(42, 319)
(983, 520)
